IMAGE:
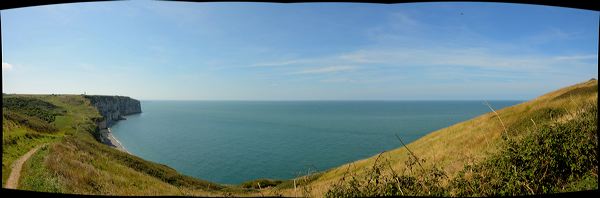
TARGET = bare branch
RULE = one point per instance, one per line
(409, 151)
(503, 126)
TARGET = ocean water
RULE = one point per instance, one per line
(235, 141)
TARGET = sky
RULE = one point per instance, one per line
(154, 50)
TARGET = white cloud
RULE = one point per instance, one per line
(6, 66)
(328, 69)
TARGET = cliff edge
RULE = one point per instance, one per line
(112, 109)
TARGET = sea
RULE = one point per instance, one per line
(231, 142)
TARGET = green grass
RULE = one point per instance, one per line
(25, 124)
(75, 162)
(260, 183)
(20, 143)
(37, 177)
(18, 140)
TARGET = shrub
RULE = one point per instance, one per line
(261, 183)
(32, 107)
(555, 158)
(32, 122)
(382, 180)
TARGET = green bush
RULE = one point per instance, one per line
(261, 183)
(34, 123)
(419, 181)
(555, 158)
(32, 107)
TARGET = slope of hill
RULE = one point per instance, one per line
(73, 160)
(466, 143)
(445, 162)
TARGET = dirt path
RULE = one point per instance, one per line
(13, 179)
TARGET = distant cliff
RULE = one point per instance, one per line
(112, 109)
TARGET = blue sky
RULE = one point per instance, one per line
(309, 51)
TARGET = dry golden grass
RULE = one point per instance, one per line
(467, 142)
(85, 172)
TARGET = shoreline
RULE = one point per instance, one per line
(114, 141)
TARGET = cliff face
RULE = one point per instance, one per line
(112, 109)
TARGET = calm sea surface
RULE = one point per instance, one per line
(235, 141)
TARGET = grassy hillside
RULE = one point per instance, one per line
(25, 124)
(73, 161)
(444, 153)
(474, 157)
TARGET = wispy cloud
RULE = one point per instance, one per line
(86, 67)
(401, 26)
(578, 57)
(549, 35)
(437, 63)
(405, 42)
(327, 69)
(279, 63)
(338, 80)
(6, 66)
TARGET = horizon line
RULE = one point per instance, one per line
(325, 100)
(299, 100)
(277, 100)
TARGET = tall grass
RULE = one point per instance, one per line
(557, 157)
(38, 177)
(382, 180)
(550, 155)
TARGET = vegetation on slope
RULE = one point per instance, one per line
(443, 154)
(554, 157)
(74, 162)
(549, 158)
(481, 156)
(25, 124)
(31, 107)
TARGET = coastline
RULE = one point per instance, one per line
(114, 141)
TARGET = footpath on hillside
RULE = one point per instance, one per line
(13, 179)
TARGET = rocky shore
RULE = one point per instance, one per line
(112, 109)
(114, 142)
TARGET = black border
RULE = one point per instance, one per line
(25, 193)
(587, 5)
(579, 4)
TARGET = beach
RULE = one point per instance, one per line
(116, 142)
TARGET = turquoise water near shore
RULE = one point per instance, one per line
(235, 141)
